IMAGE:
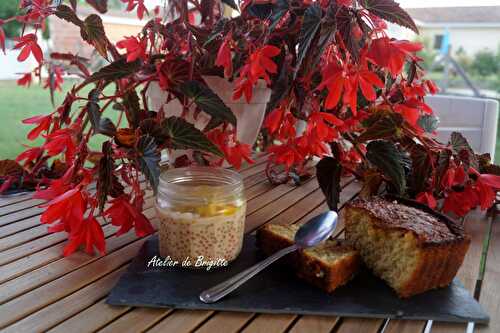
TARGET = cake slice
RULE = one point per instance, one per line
(327, 266)
(410, 246)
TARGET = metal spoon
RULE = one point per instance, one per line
(310, 234)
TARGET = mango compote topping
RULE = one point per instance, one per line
(211, 207)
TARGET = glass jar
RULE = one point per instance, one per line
(202, 214)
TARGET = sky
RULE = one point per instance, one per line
(447, 3)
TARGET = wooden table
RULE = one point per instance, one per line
(40, 290)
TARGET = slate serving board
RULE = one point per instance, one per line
(276, 290)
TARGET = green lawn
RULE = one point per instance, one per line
(18, 103)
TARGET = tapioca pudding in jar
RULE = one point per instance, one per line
(202, 214)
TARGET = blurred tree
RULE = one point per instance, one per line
(9, 8)
(485, 63)
(428, 54)
(464, 59)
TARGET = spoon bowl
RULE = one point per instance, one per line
(316, 230)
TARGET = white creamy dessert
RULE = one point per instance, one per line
(190, 235)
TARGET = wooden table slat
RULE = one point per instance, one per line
(365, 325)
(100, 313)
(53, 314)
(227, 322)
(270, 323)
(136, 321)
(182, 321)
(318, 324)
(28, 303)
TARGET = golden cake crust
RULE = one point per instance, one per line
(441, 242)
(430, 227)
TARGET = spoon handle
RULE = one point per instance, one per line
(217, 292)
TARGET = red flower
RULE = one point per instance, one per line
(460, 203)
(43, 123)
(427, 199)
(273, 120)
(25, 80)
(411, 110)
(485, 186)
(136, 48)
(337, 79)
(2, 38)
(453, 176)
(234, 151)
(224, 56)
(310, 144)
(391, 54)
(125, 215)
(320, 123)
(431, 87)
(286, 154)
(29, 155)
(346, 3)
(141, 8)
(259, 65)
(237, 153)
(59, 141)
(28, 45)
(88, 232)
(67, 209)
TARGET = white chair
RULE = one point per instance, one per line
(475, 118)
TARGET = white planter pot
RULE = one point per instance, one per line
(249, 116)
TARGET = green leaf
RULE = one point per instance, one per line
(428, 122)
(391, 11)
(281, 88)
(107, 181)
(310, 26)
(107, 127)
(132, 108)
(327, 30)
(261, 11)
(463, 150)
(421, 168)
(66, 13)
(100, 5)
(390, 161)
(93, 33)
(100, 125)
(328, 173)
(118, 69)
(346, 21)
(217, 30)
(183, 135)
(208, 101)
(381, 125)
(149, 159)
(280, 8)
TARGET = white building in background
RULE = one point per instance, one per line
(470, 28)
